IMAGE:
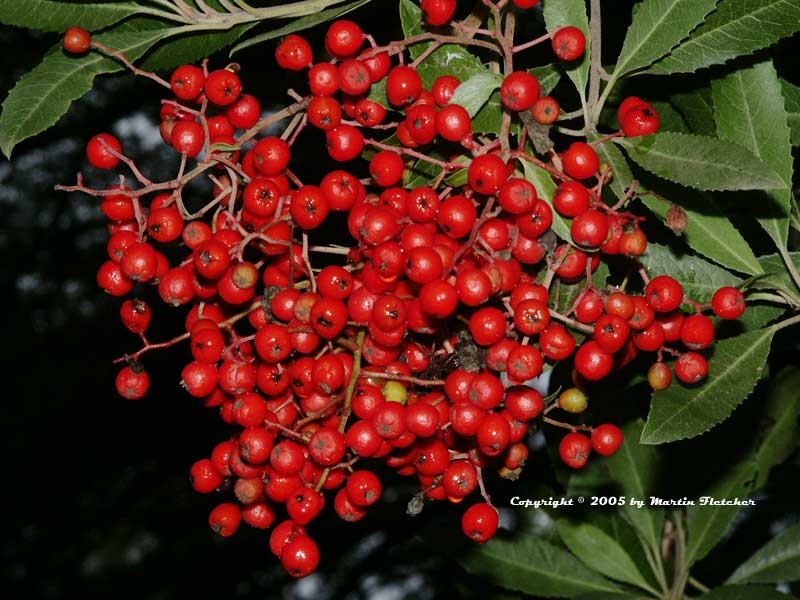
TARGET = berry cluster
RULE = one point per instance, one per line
(419, 346)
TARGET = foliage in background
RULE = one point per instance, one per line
(724, 156)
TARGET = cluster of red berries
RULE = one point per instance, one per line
(419, 349)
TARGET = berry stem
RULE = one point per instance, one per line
(403, 378)
(563, 425)
(482, 487)
(571, 322)
(136, 70)
(351, 385)
(348, 398)
(789, 265)
(595, 63)
(532, 43)
(450, 166)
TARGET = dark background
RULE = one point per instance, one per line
(96, 496)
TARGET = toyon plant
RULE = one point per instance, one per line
(530, 240)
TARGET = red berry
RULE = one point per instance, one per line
(354, 77)
(324, 112)
(438, 12)
(271, 155)
(343, 38)
(575, 449)
(691, 368)
(204, 477)
(187, 82)
(611, 332)
(403, 85)
(300, 556)
(517, 196)
(545, 110)
(344, 142)
(132, 382)
(245, 112)
(519, 90)
(487, 326)
(135, 315)
(294, 53)
(323, 79)
(494, 434)
(222, 87)
(443, 89)
(457, 216)
(589, 229)
(531, 317)
(640, 120)
(479, 522)
(568, 43)
(225, 519)
(460, 478)
(487, 173)
(697, 332)
(100, 151)
(453, 123)
(523, 402)
(664, 294)
(571, 199)
(592, 362)
(386, 168)
(728, 303)
(284, 533)
(77, 40)
(188, 138)
(606, 439)
(580, 161)
(363, 488)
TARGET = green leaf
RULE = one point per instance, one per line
(545, 186)
(746, 592)
(530, 564)
(748, 109)
(698, 109)
(601, 552)
(699, 278)
(736, 28)
(612, 596)
(490, 117)
(778, 560)
(563, 13)
(298, 25)
(756, 316)
(411, 20)
(658, 26)
(449, 60)
(59, 16)
(669, 117)
(708, 231)
(635, 467)
(791, 97)
(473, 93)
(778, 427)
(733, 370)
(773, 263)
(44, 94)
(548, 77)
(708, 524)
(700, 162)
(568, 292)
(187, 49)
